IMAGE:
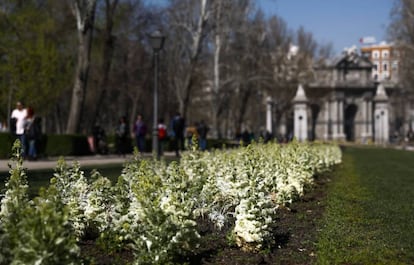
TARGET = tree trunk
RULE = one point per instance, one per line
(108, 51)
(85, 23)
(243, 106)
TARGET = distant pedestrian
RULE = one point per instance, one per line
(191, 133)
(162, 136)
(17, 120)
(140, 130)
(202, 130)
(267, 137)
(32, 132)
(3, 126)
(178, 125)
(122, 131)
(245, 137)
(99, 139)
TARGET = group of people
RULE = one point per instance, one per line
(176, 132)
(26, 127)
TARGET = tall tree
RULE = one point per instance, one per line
(188, 26)
(401, 31)
(224, 24)
(33, 67)
(84, 12)
(107, 51)
(247, 64)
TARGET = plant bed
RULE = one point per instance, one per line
(242, 206)
(295, 237)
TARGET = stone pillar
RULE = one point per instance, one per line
(328, 131)
(341, 119)
(337, 109)
(300, 115)
(365, 128)
(381, 116)
(334, 111)
(269, 118)
(366, 134)
(369, 117)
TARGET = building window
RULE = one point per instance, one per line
(385, 54)
(375, 54)
(385, 67)
(375, 67)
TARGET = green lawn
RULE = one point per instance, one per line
(40, 178)
(369, 217)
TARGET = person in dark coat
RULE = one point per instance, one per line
(178, 126)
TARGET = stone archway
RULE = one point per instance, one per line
(350, 113)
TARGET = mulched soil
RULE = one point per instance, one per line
(294, 243)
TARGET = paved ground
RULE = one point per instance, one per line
(50, 163)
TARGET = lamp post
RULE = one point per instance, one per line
(157, 41)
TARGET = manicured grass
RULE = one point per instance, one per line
(369, 217)
(41, 178)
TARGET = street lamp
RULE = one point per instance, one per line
(157, 41)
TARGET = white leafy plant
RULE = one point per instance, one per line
(250, 183)
(153, 207)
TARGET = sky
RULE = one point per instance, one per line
(340, 22)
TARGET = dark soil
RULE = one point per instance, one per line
(295, 237)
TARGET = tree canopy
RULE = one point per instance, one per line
(82, 62)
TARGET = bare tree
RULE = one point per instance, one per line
(401, 30)
(84, 12)
(107, 52)
(223, 23)
(248, 64)
(188, 27)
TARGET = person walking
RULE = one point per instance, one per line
(178, 126)
(140, 130)
(17, 122)
(121, 133)
(162, 136)
(202, 130)
(191, 134)
(32, 131)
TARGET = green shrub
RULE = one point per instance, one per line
(50, 145)
(6, 142)
(64, 145)
(34, 231)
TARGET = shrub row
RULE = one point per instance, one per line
(77, 145)
(50, 145)
(153, 208)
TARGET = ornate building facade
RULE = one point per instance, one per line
(347, 102)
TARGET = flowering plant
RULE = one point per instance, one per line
(153, 207)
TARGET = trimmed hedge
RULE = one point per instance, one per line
(66, 145)
(50, 145)
(6, 143)
(77, 145)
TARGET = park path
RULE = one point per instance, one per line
(50, 163)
